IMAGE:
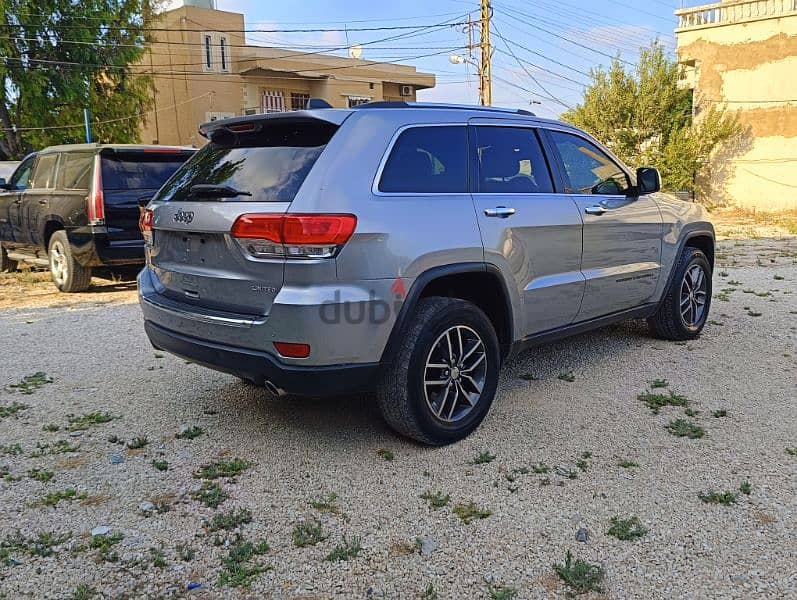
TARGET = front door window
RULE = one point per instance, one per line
(587, 169)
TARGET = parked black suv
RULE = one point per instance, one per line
(76, 207)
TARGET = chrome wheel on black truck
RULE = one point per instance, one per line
(68, 275)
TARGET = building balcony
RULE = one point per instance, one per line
(732, 12)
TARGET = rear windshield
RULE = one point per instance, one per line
(139, 170)
(268, 165)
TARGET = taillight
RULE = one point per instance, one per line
(145, 220)
(96, 200)
(145, 225)
(294, 235)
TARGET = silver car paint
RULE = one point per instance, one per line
(537, 251)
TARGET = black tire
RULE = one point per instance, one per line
(401, 391)
(6, 264)
(668, 323)
(68, 275)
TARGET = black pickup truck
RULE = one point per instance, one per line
(75, 208)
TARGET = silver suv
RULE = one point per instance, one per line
(410, 249)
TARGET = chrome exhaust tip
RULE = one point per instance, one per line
(274, 389)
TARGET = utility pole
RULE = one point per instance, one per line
(87, 124)
(485, 55)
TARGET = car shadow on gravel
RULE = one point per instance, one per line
(327, 421)
(582, 352)
(356, 419)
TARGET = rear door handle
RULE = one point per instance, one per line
(594, 210)
(501, 212)
(42, 201)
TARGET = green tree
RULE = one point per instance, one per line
(61, 56)
(646, 120)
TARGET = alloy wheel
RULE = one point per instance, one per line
(693, 296)
(455, 374)
(58, 263)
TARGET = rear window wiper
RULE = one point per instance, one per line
(216, 191)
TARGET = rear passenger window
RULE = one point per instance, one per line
(75, 171)
(44, 172)
(428, 160)
(139, 170)
(587, 168)
(511, 162)
(20, 180)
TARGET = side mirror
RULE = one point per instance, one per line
(648, 180)
(3, 183)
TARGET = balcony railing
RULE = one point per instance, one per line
(726, 13)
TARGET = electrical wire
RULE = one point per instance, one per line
(361, 64)
(566, 39)
(531, 76)
(106, 121)
(238, 31)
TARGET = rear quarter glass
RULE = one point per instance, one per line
(270, 163)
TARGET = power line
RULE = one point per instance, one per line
(523, 66)
(137, 29)
(105, 122)
(321, 49)
(361, 64)
(522, 47)
(543, 76)
(591, 17)
(580, 45)
(775, 181)
(636, 8)
(375, 20)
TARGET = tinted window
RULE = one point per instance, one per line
(139, 171)
(75, 171)
(270, 164)
(44, 172)
(511, 162)
(428, 160)
(587, 168)
(20, 180)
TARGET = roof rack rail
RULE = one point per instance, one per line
(404, 104)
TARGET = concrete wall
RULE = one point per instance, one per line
(750, 67)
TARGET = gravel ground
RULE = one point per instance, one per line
(300, 451)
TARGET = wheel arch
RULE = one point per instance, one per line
(51, 225)
(704, 242)
(479, 283)
(696, 237)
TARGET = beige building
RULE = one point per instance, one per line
(742, 54)
(205, 70)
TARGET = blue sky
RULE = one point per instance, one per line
(589, 33)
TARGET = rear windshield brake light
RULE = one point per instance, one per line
(242, 127)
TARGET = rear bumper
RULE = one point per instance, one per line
(260, 366)
(121, 252)
(92, 247)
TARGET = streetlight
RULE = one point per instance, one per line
(457, 59)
